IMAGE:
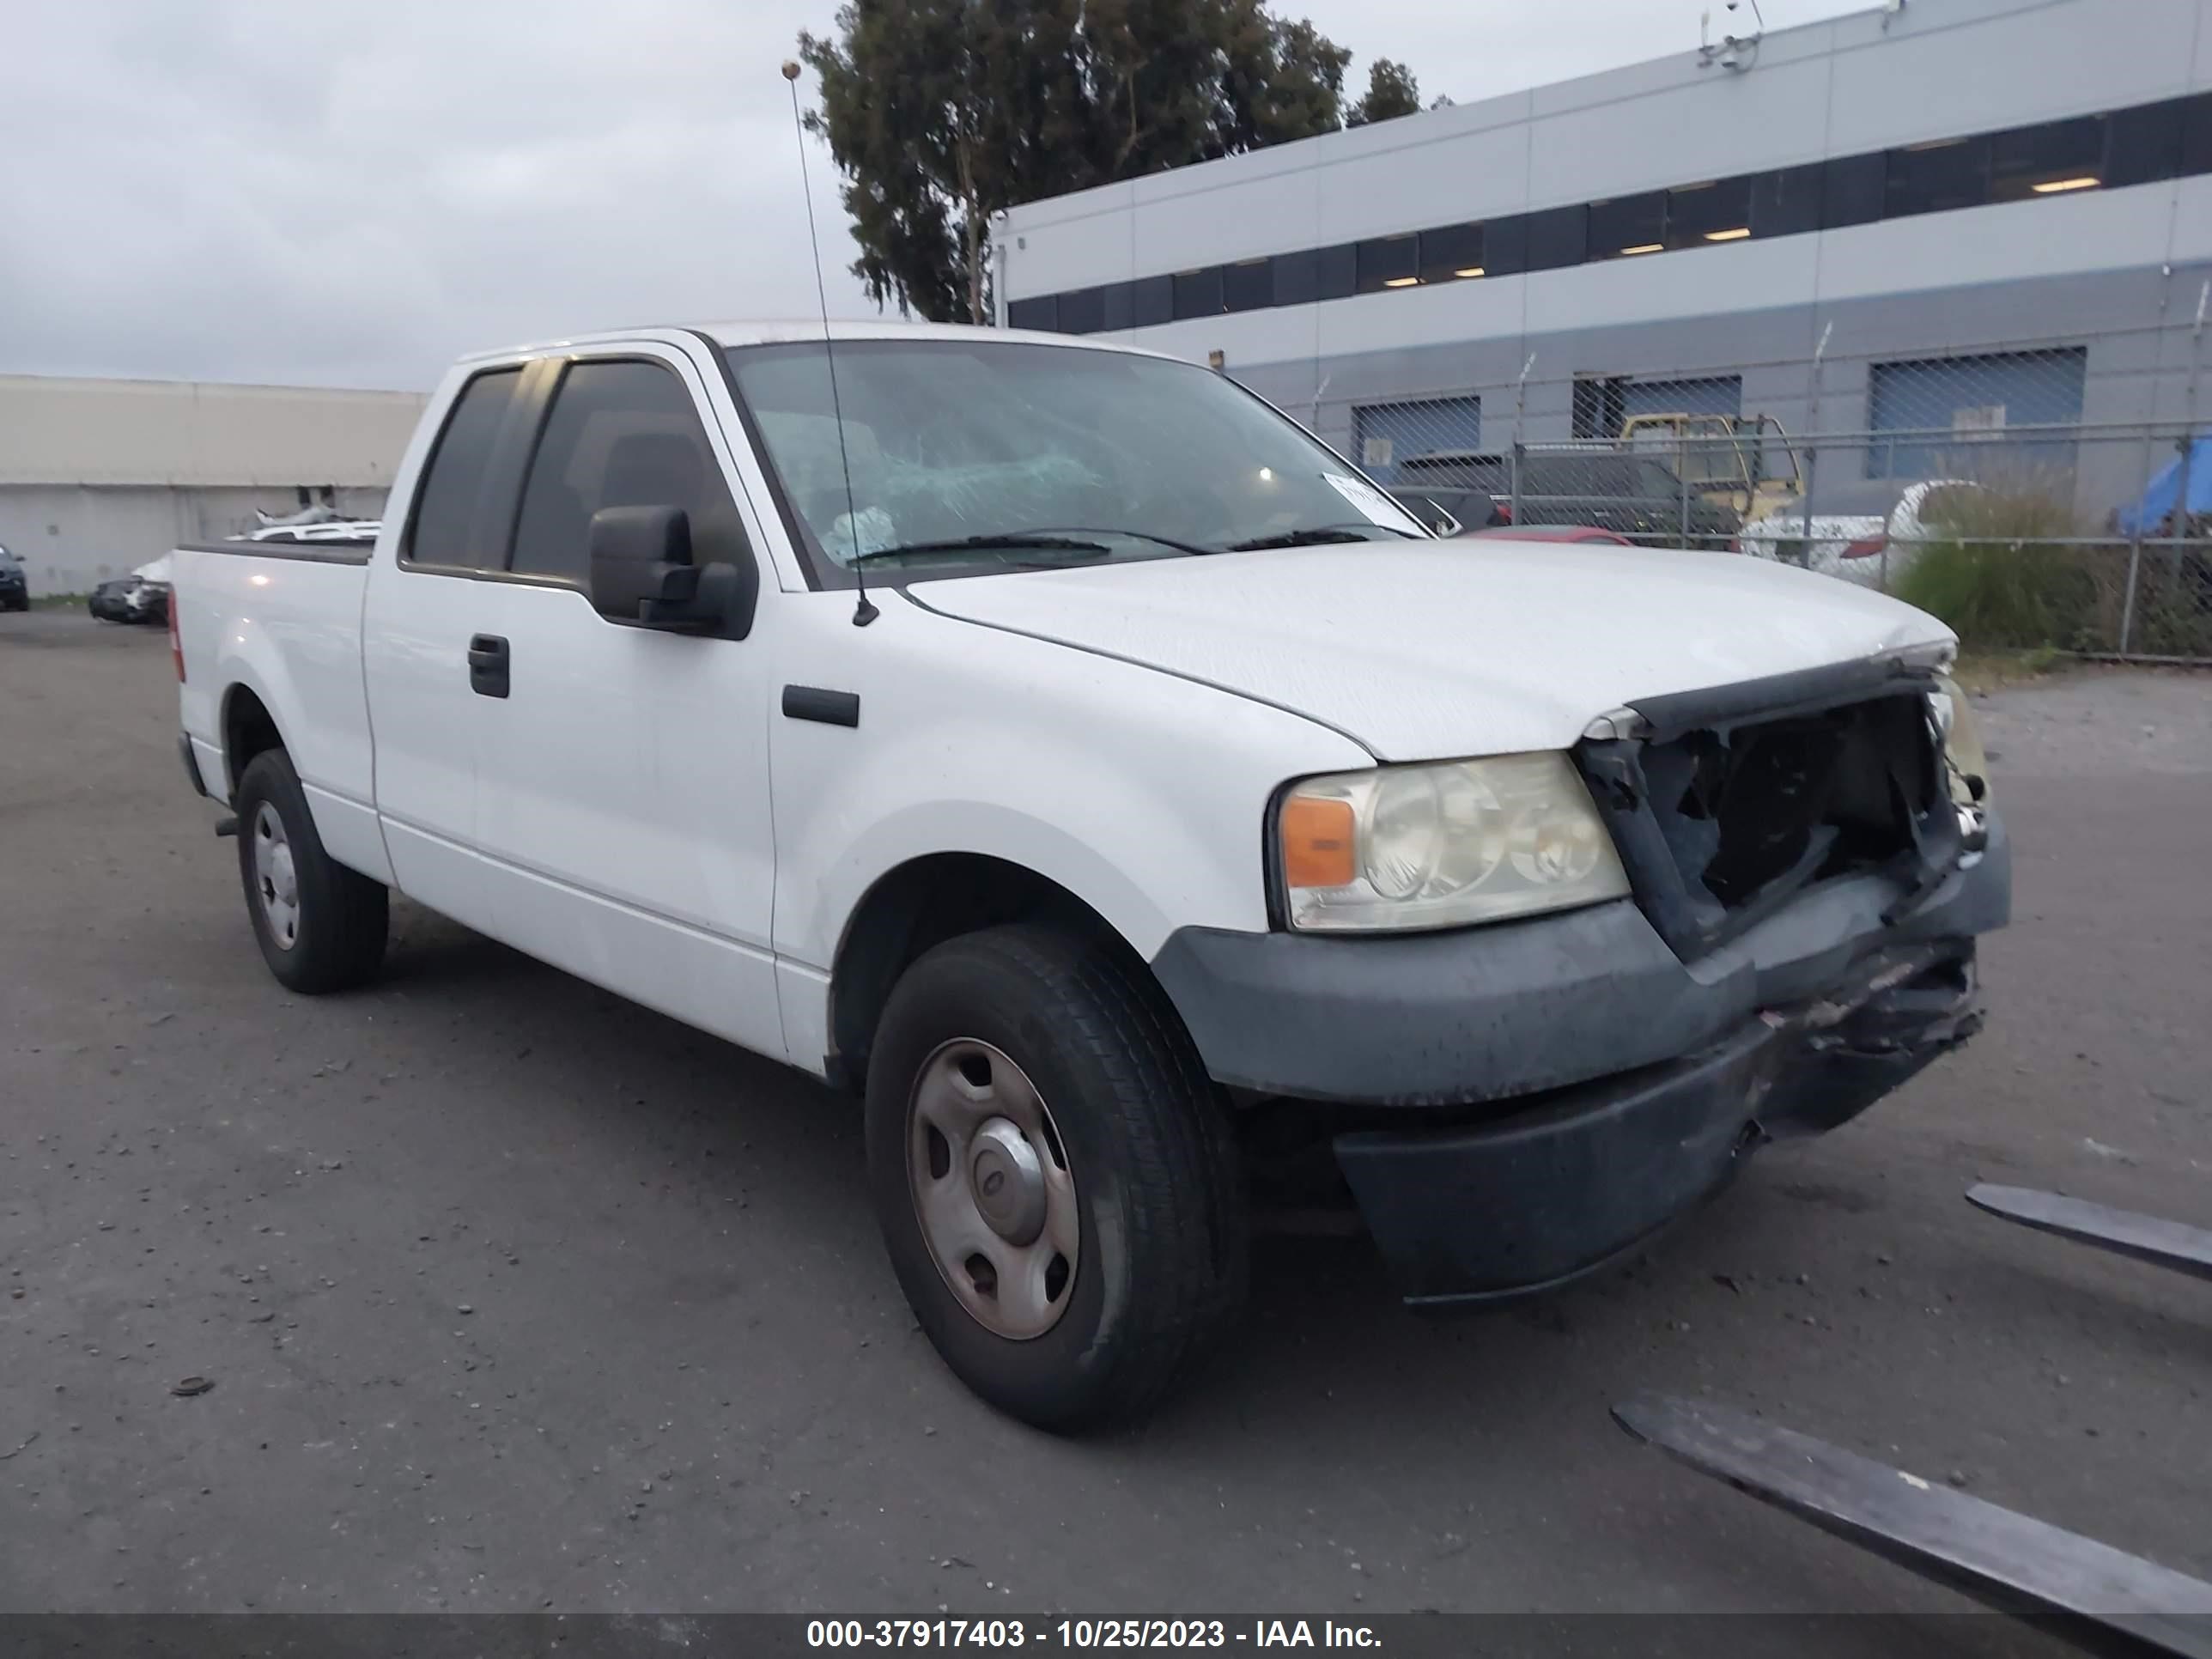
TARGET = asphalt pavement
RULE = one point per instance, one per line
(514, 1297)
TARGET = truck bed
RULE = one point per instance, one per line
(289, 612)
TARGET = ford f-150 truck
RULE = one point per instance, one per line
(1060, 748)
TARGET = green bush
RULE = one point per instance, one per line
(2000, 575)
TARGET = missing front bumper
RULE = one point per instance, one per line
(1574, 1178)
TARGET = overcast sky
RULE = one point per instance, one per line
(354, 191)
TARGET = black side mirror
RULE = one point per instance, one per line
(643, 573)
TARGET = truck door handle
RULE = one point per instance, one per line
(488, 675)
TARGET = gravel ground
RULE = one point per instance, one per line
(514, 1297)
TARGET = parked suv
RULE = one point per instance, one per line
(14, 584)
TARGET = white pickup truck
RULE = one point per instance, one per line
(1059, 747)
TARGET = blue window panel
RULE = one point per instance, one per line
(1384, 436)
(1963, 417)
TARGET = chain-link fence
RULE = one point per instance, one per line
(2040, 493)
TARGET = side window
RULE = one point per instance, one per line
(621, 433)
(446, 499)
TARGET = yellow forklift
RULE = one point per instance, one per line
(1745, 462)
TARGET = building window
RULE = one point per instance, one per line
(1297, 277)
(1505, 246)
(1628, 225)
(1198, 293)
(1558, 237)
(1151, 300)
(1938, 417)
(1387, 436)
(1451, 253)
(2052, 159)
(1851, 190)
(1786, 202)
(1339, 271)
(2196, 134)
(1083, 311)
(1699, 215)
(2139, 144)
(1936, 177)
(1599, 406)
(1246, 286)
(2143, 145)
(1388, 262)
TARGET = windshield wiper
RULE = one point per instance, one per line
(956, 545)
(1317, 535)
(1135, 535)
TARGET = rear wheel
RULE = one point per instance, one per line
(320, 926)
(1052, 1175)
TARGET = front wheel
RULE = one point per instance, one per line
(1052, 1175)
(320, 926)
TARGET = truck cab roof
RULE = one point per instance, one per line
(800, 330)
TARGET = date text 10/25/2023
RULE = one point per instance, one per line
(1087, 1634)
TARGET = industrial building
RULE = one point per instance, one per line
(1931, 224)
(98, 477)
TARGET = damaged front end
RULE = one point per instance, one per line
(1810, 843)
(1727, 804)
(1497, 1207)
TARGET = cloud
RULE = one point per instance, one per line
(354, 191)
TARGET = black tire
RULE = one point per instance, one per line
(341, 917)
(1158, 1194)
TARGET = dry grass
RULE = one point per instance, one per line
(2003, 573)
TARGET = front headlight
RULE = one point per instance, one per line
(1966, 761)
(1441, 846)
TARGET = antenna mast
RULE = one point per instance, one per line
(864, 612)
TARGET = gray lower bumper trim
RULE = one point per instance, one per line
(1490, 1012)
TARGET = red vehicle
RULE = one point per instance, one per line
(1551, 533)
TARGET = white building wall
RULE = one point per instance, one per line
(1864, 82)
(72, 537)
(56, 430)
(97, 477)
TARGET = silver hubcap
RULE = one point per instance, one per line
(276, 882)
(991, 1189)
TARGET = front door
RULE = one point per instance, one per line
(623, 801)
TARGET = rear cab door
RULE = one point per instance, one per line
(419, 613)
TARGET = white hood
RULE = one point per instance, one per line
(1423, 650)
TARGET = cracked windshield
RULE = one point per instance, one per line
(1101, 455)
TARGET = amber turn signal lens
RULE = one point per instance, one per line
(1318, 842)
